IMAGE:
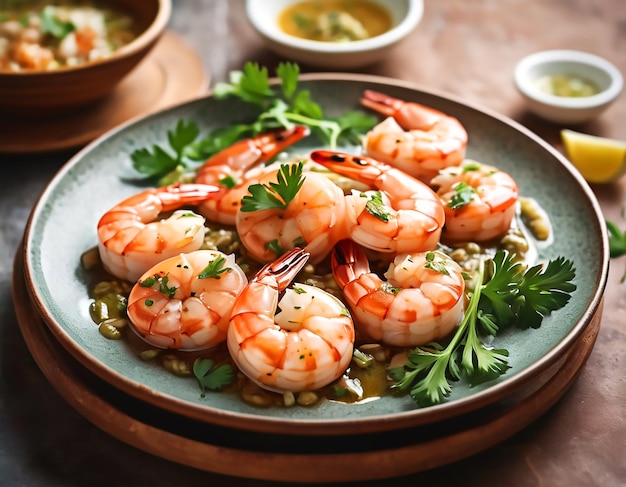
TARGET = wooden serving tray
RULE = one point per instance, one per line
(287, 457)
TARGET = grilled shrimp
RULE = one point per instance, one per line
(417, 139)
(289, 339)
(313, 219)
(233, 169)
(184, 302)
(480, 201)
(420, 300)
(131, 239)
(401, 215)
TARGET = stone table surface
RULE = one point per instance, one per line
(465, 48)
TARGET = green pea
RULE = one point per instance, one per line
(108, 330)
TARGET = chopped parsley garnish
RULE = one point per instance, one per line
(162, 282)
(274, 246)
(215, 268)
(512, 297)
(228, 181)
(389, 288)
(471, 166)
(463, 195)
(377, 207)
(433, 264)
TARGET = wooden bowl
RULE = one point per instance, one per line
(45, 93)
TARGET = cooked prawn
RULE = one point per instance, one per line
(402, 214)
(313, 219)
(184, 302)
(480, 201)
(131, 239)
(420, 300)
(415, 138)
(233, 170)
(304, 346)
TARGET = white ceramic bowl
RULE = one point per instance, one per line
(563, 109)
(263, 15)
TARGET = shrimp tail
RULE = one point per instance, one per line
(176, 195)
(284, 269)
(381, 103)
(276, 141)
(409, 115)
(348, 262)
(246, 153)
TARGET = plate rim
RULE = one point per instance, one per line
(319, 426)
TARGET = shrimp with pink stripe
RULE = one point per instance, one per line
(235, 168)
(297, 338)
(184, 302)
(132, 238)
(480, 201)
(401, 213)
(420, 299)
(415, 138)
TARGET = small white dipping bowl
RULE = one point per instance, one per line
(563, 109)
(264, 14)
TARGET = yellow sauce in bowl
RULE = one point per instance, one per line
(335, 20)
(566, 85)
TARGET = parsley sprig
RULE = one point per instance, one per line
(512, 296)
(280, 104)
(211, 377)
(278, 194)
(286, 104)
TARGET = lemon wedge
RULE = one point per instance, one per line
(599, 159)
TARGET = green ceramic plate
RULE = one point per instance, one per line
(63, 225)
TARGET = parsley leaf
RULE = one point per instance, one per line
(463, 195)
(212, 377)
(375, 206)
(162, 281)
(275, 195)
(512, 295)
(215, 268)
(440, 266)
(160, 162)
(51, 24)
(523, 298)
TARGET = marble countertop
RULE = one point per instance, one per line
(467, 49)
